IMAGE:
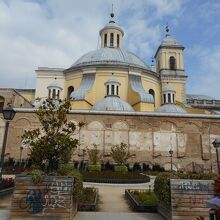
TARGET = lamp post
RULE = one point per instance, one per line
(216, 145)
(21, 149)
(8, 114)
(171, 159)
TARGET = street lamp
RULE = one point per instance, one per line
(216, 145)
(171, 159)
(8, 114)
(21, 149)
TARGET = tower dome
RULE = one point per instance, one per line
(112, 101)
(169, 105)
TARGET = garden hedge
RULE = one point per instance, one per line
(162, 183)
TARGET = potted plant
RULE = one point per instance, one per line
(53, 180)
(120, 155)
(94, 156)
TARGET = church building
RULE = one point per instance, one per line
(122, 99)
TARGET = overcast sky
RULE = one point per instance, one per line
(55, 33)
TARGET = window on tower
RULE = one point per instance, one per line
(54, 94)
(113, 88)
(169, 98)
(172, 63)
(111, 40)
(105, 40)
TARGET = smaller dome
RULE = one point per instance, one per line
(112, 25)
(170, 41)
(167, 88)
(170, 108)
(112, 103)
(112, 80)
(54, 84)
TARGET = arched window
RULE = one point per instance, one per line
(58, 94)
(2, 101)
(151, 91)
(111, 40)
(164, 98)
(70, 90)
(169, 98)
(107, 89)
(173, 98)
(54, 94)
(49, 94)
(172, 63)
(105, 40)
(112, 92)
(117, 90)
(118, 40)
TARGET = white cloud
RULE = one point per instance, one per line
(207, 79)
(56, 33)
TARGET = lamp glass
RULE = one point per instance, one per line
(8, 113)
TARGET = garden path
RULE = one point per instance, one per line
(112, 196)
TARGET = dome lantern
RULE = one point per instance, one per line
(112, 87)
(112, 34)
(54, 90)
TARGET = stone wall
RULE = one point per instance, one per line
(149, 137)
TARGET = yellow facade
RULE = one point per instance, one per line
(137, 83)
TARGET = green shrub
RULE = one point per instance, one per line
(147, 198)
(162, 183)
(94, 167)
(121, 168)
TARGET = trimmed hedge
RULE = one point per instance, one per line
(162, 183)
(121, 168)
(94, 167)
(114, 177)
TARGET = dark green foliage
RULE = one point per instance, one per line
(121, 168)
(88, 195)
(37, 175)
(162, 181)
(113, 175)
(147, 198)
(120, 153)
(51, 144)
(94, 167)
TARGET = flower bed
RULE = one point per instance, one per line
(142, 200)
(114, 177)
(89, 199)
(6, 186)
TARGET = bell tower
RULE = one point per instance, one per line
(170, 64)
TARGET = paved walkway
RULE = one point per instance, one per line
(112, 196)
(112, 204)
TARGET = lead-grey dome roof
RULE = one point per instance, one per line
(110, 56)
(170, 108)
(170, 41)
(112, 103)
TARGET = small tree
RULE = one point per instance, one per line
(93, 154)
(120, 153)
(52, 144)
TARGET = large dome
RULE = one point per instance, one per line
(112, 103)
(110, 56)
